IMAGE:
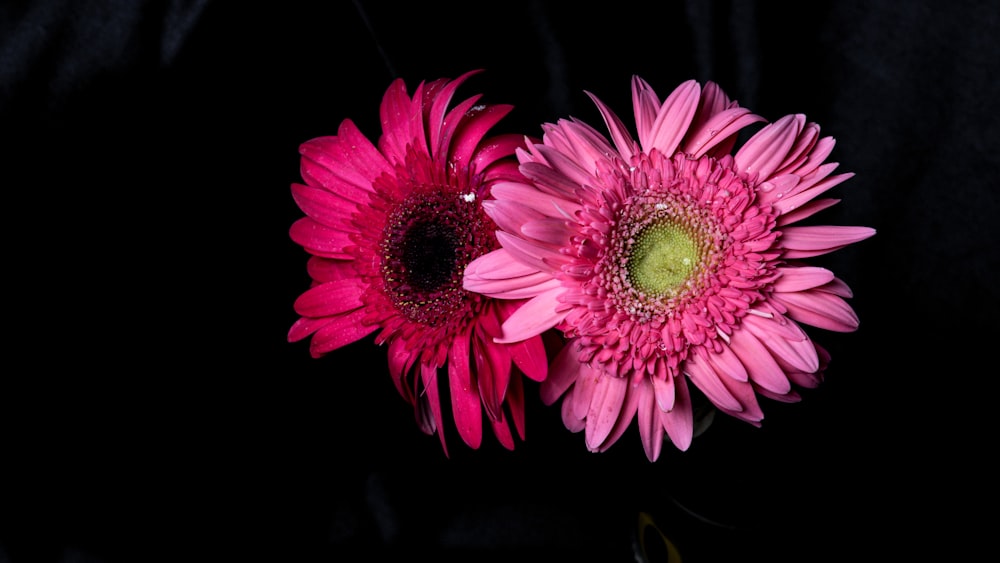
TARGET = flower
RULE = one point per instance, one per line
(670, 260)
(390, 229)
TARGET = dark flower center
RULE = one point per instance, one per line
(429, 239)
(427, 254)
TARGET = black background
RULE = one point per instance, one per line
(151, 408)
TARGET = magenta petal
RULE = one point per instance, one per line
(342, 330)
(349, 155)
(305, 326)
(465, 403)
(515, 403)
(320, 240)
(498, 147)
(501, 429)
(529, 356)
(331, 298)
(428, 374)
(326, 270)
(322, 206)
(472, 129)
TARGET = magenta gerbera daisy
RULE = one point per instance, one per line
(670, 260)
(391, 229)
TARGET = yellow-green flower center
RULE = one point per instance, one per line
(662, 258)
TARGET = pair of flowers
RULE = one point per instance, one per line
(660, 261)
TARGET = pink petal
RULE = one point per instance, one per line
(537, 315)
(749, 410)
(665, 393)
(760, 365)
(705, 378)
(538, 256)
(767, 149)
(679, 422)
(785, 340)
(645, 106)
(719, 128)
(569, 418)
(820, 309)
(673, 120)
(605, 407)
(486, 275)
(547, 204)
(619, 132)
(563, 372)
(802, 278)
(648, 419)
(629, 407)
(548, 231)
(807, 191)
(498, 265)
(806, 242)
(509, 215)
(806, 211)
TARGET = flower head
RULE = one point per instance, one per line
(670, 260)
(391, 229)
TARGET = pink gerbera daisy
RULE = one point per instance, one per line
(669, 260)
(391, 229)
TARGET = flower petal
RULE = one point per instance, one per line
(806, 242)
(537, 315)
(465, 403)
(820, 309)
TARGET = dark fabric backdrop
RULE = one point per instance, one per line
(152, 410)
